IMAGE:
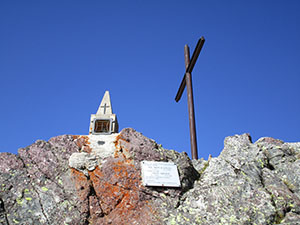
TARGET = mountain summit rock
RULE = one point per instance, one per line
(96, 179)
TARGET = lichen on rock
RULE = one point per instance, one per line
(97, 180)
(115, 184)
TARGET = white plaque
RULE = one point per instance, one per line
(164, 174)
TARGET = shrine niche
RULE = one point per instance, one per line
(104, 121)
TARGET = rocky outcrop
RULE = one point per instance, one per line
(97, 180)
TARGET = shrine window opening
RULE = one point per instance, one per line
(102, 126)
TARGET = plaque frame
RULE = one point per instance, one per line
(160, 174)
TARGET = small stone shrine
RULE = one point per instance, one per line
(104, 121)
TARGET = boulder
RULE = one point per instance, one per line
(96, 179)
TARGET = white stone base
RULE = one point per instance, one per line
(102, 146)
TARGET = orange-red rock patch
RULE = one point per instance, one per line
(82, 141)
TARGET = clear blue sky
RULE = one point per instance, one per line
(57, 58)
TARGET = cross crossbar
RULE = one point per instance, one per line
(190, 67)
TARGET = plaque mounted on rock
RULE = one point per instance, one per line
(160, 174)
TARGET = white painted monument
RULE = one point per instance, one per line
(104, 121)
(163, 174)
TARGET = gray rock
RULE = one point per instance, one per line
(72, 180)
(83, 162)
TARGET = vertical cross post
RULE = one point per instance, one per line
(190, 98)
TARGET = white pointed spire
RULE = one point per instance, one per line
(104, 121)
(105, 106)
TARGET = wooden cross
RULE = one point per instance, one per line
(187, 81)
